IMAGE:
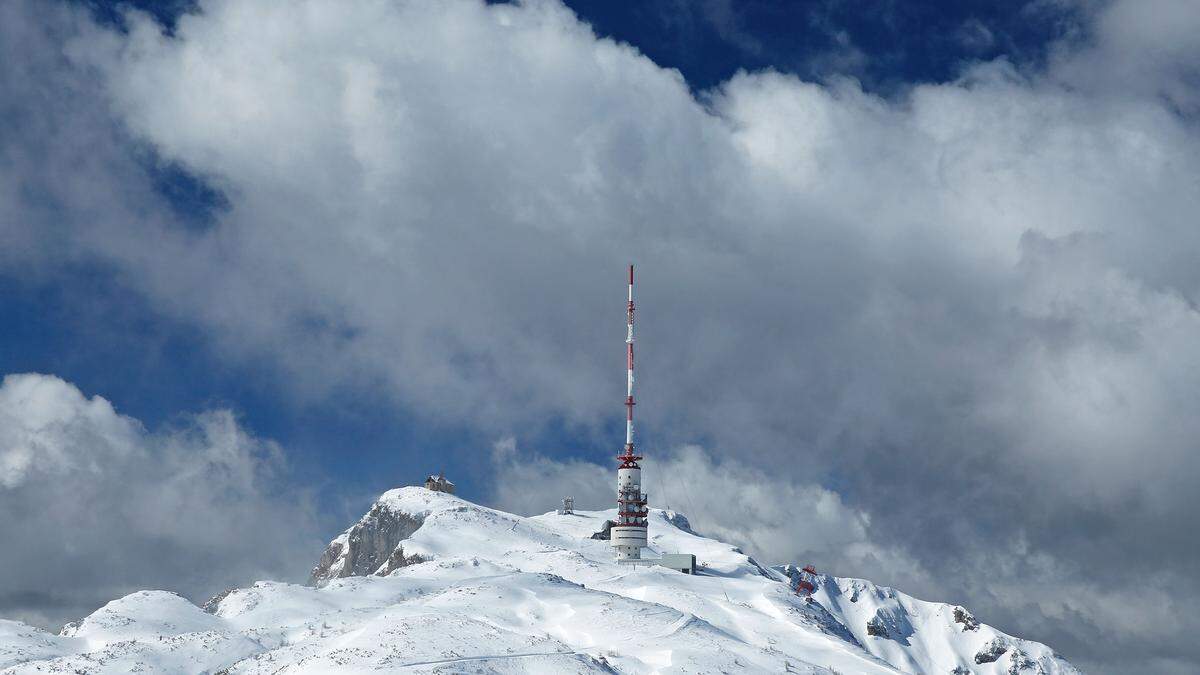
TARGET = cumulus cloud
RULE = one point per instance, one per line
(969, 311)
(97, 506)
(1146, 48)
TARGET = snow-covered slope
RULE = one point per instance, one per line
(924, 637)
(479, 590)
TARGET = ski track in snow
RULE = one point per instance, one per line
(499, 593)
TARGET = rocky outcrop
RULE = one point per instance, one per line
(1020, 663)
(679, 520)
(892, 624)
(371, 546)
(991, 651)
(397, 560)
(877, 627)
(214, 603)
(968, 620)
(605, 533)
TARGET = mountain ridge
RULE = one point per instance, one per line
(429, 582)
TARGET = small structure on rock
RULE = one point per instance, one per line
(568, 507)
(439, 483)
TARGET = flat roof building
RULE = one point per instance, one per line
(680, 562)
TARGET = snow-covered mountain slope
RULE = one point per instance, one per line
(479, 590)
(924, 637)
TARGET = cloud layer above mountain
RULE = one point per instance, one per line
(968, 311)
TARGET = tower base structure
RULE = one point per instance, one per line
(628, 542)
(628, 533)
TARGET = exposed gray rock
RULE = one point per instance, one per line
(891, 624)
(605, 533)
(398, 560)
(371, 546)
(991, 651)
(215, 601)
(322, 573)
(679, 520)
(1019, 662)
(968, 621)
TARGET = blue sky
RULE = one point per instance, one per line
(899, 43)
(921, 273)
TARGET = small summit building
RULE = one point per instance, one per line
(439, 483)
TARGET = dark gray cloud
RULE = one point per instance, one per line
(967, 312)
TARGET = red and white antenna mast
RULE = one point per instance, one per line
(629, 378)
(629, 531)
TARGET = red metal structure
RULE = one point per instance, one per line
(804, 586)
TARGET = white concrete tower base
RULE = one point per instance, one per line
(628, 534)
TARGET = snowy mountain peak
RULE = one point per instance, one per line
(428, 582)
(373, 544)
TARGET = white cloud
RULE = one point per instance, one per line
(1139, 47)
(97, 506)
